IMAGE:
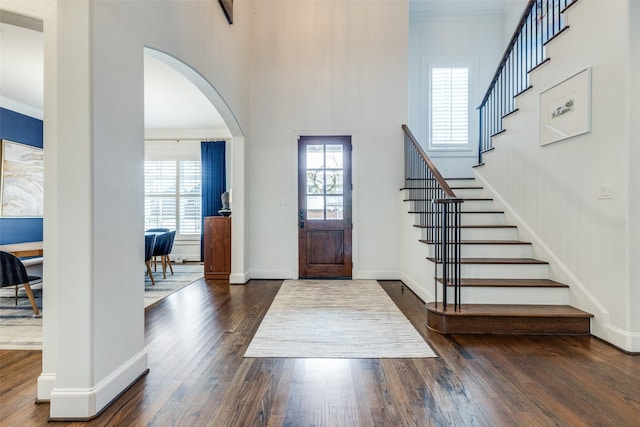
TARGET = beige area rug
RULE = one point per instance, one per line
(20, 329)
(336, 319)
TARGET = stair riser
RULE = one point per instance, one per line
(477, 205)
(496, 251)
(491, 251)
(509, 233)
(483, 218)
(470, 193)
(502, 271)
(507, 325)
(519, 295)
(489, 234)
(467, 205)
(462, 182)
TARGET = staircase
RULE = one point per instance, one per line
(504, 289)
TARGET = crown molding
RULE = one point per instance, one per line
(19, 107)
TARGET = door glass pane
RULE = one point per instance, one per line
(315, 207)
(315, 181)
(334, 181)
(335, 207)
(334, 157)
(315, 157)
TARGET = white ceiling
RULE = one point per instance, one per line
(21, 68)
(171, 101)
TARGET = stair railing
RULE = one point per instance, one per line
(540, 22)
(438, 210)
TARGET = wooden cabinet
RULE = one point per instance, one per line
(217, 247)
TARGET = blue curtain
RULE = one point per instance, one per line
(214, 181)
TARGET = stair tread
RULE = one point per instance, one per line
(497, 260)
(462, 187)
(462, 212)
(494, 242)
(474, 226)
(511, 310)
(466, 199)
(511, 283)
(487, 242)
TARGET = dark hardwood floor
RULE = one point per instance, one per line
(198, 377)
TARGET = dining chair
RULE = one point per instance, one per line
(162, 249)
(149, 244)
(157, 230)
(14, 273)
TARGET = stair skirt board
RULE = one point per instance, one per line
(509, 319)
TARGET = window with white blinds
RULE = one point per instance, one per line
(449, 106)
(172, 195)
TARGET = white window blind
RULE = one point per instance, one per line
(449, 106)
(172, 195)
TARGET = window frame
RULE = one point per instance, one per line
(178, 195)
(470, 63)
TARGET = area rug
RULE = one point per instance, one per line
(336, 319)
(20, 329)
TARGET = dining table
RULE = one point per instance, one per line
(23, 250)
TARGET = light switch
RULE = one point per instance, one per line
(605, 191)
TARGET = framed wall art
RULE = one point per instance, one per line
(565, 109)
(227, 8)
(21, 180)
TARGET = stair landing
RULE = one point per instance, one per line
(513, 319)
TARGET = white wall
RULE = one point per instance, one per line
(326, 67)
(477, 42)
(634, 170)
(554, 189)
(513, 11)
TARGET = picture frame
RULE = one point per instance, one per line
(565, 109)
(21, 180)
(227, 8)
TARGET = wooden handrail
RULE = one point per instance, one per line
(438, 212)
(436, 173)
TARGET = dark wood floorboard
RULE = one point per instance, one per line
(196, 338)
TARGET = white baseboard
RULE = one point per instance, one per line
(627, 341)
(239, 278)
(84, 403)
(419, 289)
(271, 274)
(46, 384)
(377, 275)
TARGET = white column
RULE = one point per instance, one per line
(99, 250)
(239, 247)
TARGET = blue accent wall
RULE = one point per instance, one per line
(26, 130)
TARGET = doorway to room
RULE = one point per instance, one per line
(324, 207)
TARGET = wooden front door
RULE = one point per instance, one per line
(324, 206)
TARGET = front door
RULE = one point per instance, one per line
(324, 206)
